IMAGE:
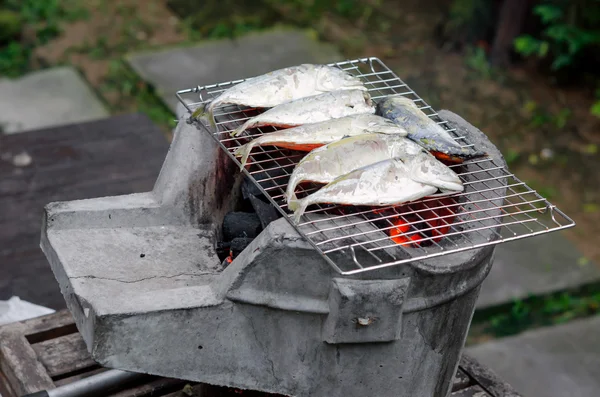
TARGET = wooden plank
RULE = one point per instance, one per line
(42, 327)
(5, 389)
(19, 364)
(488, 380)
(112, 156)
(63, 355)
(461, 380)
(82, 375)
(191, 391)
(471, 391)
(156, 387)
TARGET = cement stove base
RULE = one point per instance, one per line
(141, 277)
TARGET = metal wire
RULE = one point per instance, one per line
(495, 206)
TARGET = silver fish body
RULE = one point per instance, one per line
(325, 164)
(283, 85)
(388, 182)
(313, 109)
(423, 130)
(308, 136)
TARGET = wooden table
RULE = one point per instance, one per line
(112, 156)
(47, 352)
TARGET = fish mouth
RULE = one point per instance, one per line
(356, 86)
(449, 187)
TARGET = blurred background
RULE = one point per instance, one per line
(525, 72)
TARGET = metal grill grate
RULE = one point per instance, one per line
(495, 206)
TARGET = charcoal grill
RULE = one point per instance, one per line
(489, 186)
(329, 307)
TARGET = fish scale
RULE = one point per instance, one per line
(306, 137)
(281, 86)
(388, 182)
(313, 109)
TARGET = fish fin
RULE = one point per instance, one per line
(205, 111)
(298, 206)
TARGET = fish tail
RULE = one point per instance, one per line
(298, 206)
(478, 153)
(244, 152)
(290, 192)
(205, 111)
(240, 129)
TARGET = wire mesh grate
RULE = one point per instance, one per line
(494, 207)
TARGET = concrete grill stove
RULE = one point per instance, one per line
(333, 306)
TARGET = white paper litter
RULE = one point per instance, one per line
(16, 309)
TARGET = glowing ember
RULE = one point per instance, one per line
(431, 224)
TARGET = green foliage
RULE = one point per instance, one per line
(569, 29)
(233, 18)
(10, 25)
(595, 109)
(311, 10)
(477, 60)
(14, 59)
(539, 311)
(540, 117)
(131, 88)
(43, 17)
(469, 19)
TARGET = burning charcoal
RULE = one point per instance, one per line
(265, 210)
(239, 244)
(272, 177)
(240, 224)
(223, 249)
(250, 189)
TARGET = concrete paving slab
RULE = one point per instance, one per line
(224, 60)
(47, 98)
(535, 266)
(556, 361)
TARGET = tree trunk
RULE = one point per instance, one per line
(512, 15)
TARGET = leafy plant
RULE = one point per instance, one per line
(133, 92)
(595, 109)
(14, 59)
(477, 60)
(540, 117)
(44, 18)
(10, 25)
(569, 28)
(536, 311)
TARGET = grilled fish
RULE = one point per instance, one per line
(313, 109)
(335, 159)
(310, 136)
(423, 130)
(282, 85)
(388, 182)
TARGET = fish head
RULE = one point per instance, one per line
(334, 79)
(425, 168)
(392, 107)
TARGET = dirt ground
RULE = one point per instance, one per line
(556, 155)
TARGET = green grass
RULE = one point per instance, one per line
(133, 91)
(537, 311)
